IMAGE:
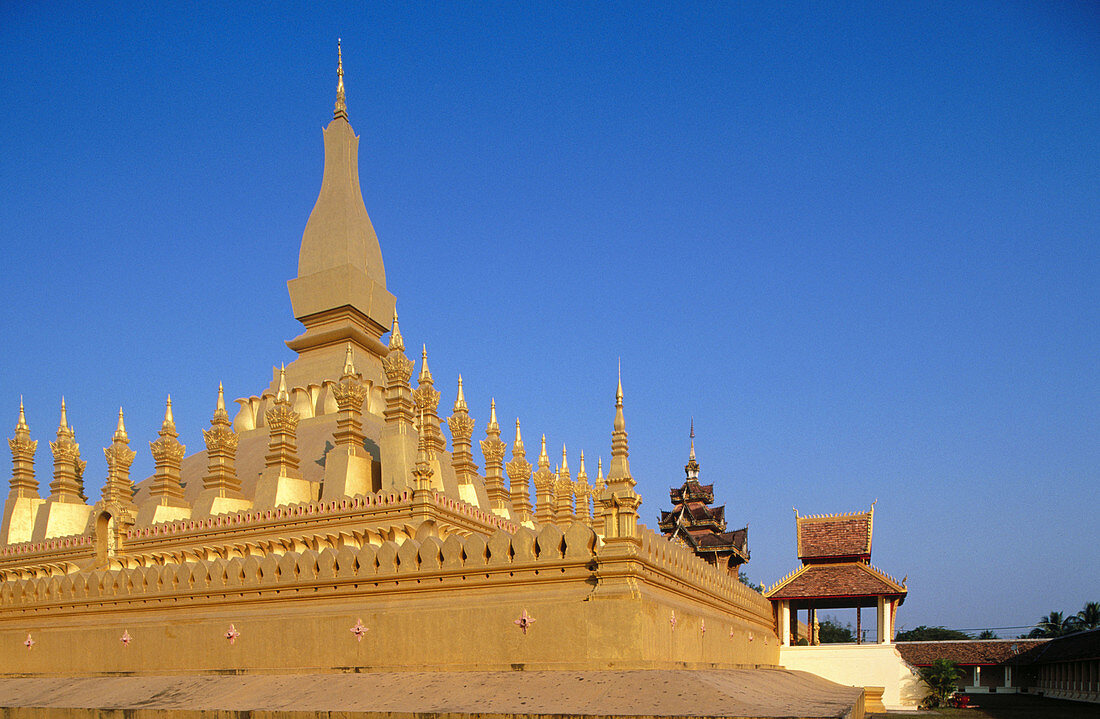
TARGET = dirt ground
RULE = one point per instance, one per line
(1009, 706)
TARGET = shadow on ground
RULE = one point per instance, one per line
(1012, 706)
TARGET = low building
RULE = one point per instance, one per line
(987, 665)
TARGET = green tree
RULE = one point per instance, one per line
(943, 678)
(1053, 625)
(930, 634)
(988, 634)
(748, 582)
(1088, 618)
(831, 631)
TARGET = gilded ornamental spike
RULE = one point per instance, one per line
(544, 487)
(341, 110)
(563, 492)
(426, 399)
(583, 493)
(282, 424)
(492, 448)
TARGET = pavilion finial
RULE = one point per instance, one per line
(619, 390)
(221, 399)
(692, 455)
(692, 467)
(341, 103)
(564, 460)
(22, 424)
(493, 424)
(64, 424)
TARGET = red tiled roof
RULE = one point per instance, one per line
(845, 579)
(1071, 647)
(838, 535)
(969, 653)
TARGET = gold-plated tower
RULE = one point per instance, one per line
(493, 449)
(167, 455)
(349, 394)
(461, 425)
(519, 472)
(426, 398)
(544, 488)
(422, 470)
(583, 492)
(282, 423)
(67, 485)
(563, 492)
(619, 502)
(221, 453)
(23, 483)
(119, 489)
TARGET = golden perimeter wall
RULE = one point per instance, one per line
(424, 603)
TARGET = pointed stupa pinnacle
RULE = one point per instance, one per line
(425, 376)
(460, 400)
(169, 421)
(692, 455)
(21, 425)
(582, 472)
(564, 461)
(544, 459)
(341, 102)
(619, 389)
(493, 425)
(120, 431)
(599, 470)
(282, 395)
(64, 423)
(349, 362)
(397, 342)
(221, 399)
(519, 437)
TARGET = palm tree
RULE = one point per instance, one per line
(943, 678)
(1087, 618)
(1053, 625)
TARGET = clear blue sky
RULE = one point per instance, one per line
(860, 244)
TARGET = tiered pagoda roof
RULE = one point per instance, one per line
(835, 550)
(700, 526)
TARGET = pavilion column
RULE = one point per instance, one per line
(880, 622)
(785, 623)
(977, 676)
(859, 624)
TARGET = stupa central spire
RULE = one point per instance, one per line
(341, 104)
(340, 292)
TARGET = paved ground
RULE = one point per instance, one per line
(727, 693)
(1010, 706)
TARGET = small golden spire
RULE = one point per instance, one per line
(460, 401)
(169, 422)
(221, 399)
(282, 395)
(397, 342)
(599, 470)
(564, 461)
(692, 455)
(341, 103)
(64, 424)
(519, 436)
(544, 459)
(493, 425)
(349, 363)
(619, 390)
(120, 431)
(425, 375)
(22, 424)
(582, 472)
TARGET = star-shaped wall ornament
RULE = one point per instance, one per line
(525, 620)
(126, 638)
(232, 634)
(672, 619)
(359, 630)
(29, 644)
